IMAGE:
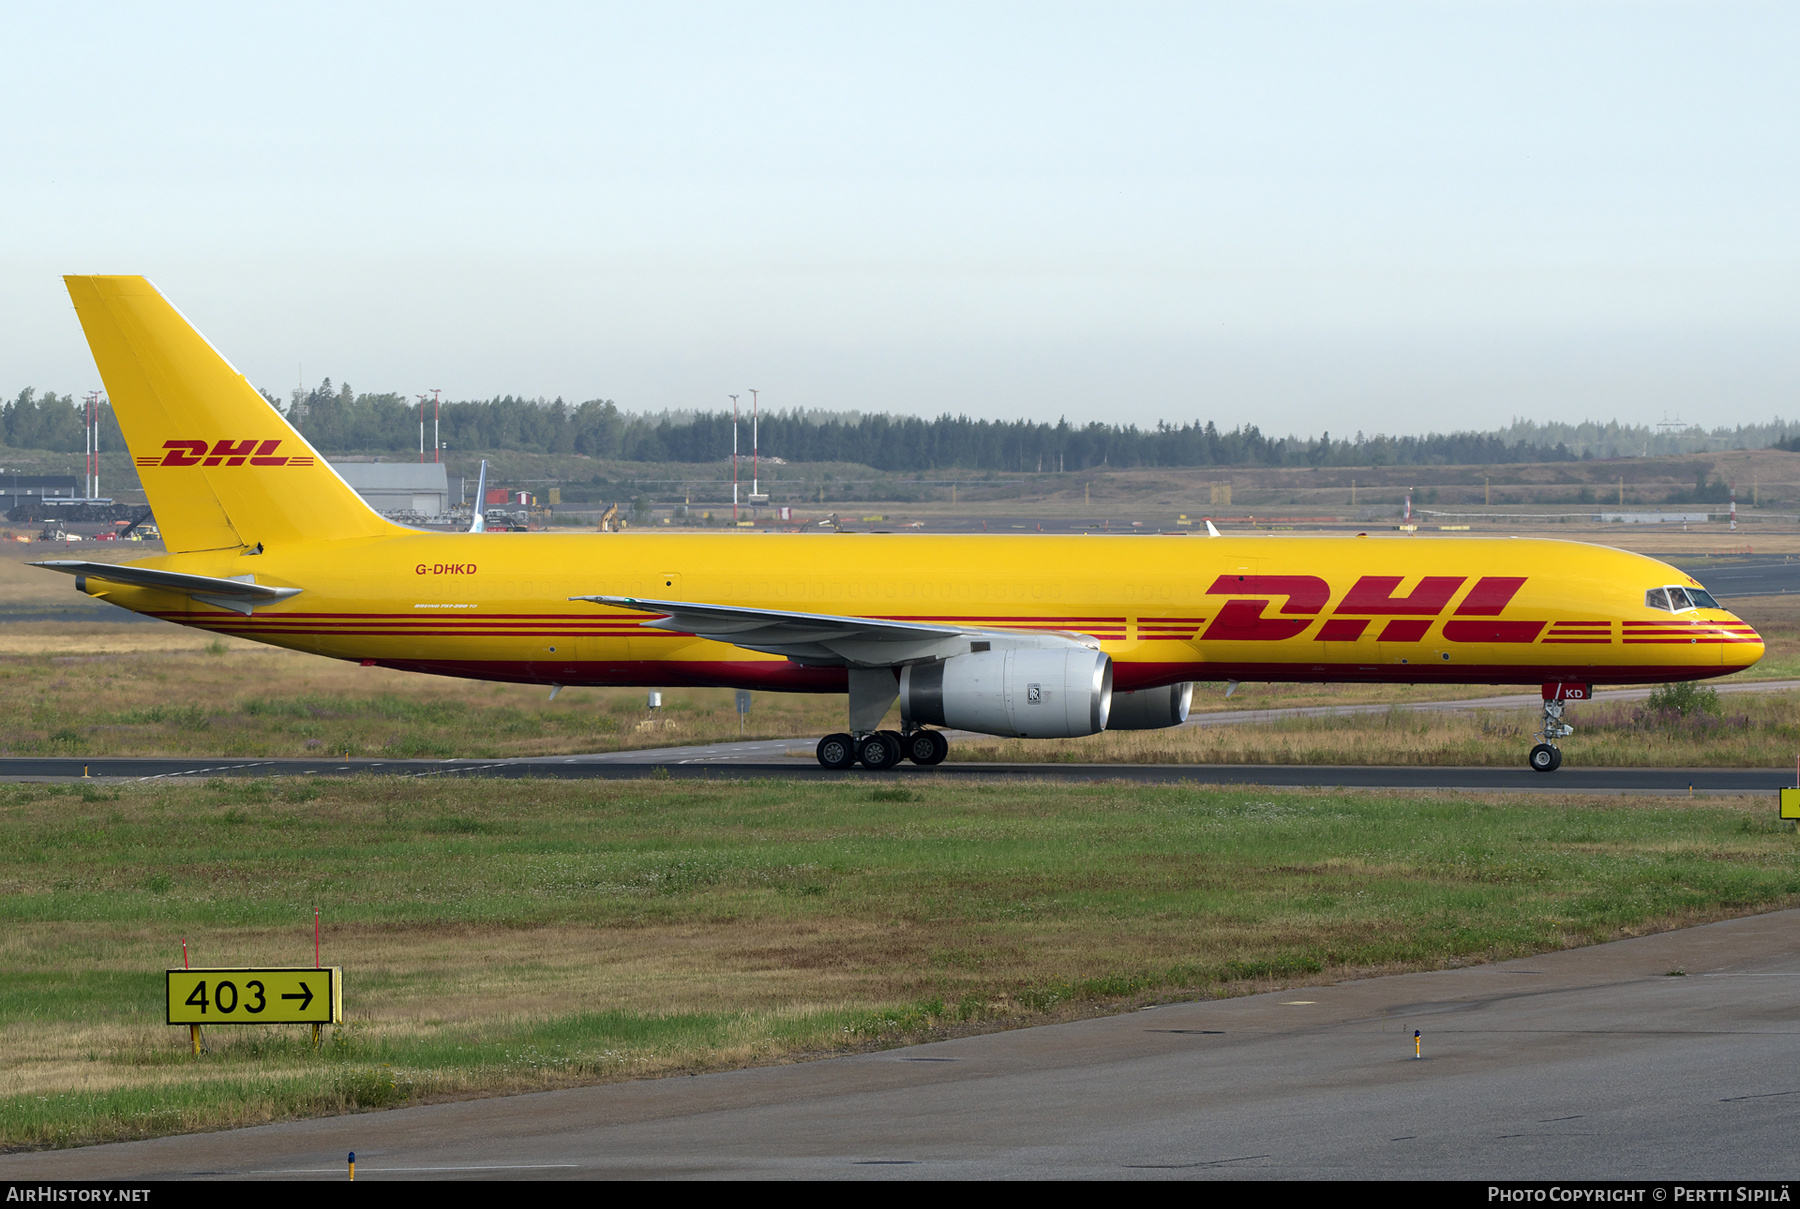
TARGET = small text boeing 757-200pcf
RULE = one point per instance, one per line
(1036, 637)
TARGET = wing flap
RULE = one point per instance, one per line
(731, 623)
(826, 638)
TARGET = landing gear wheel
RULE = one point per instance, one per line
(837, 751)
(879, 750)
(1544, 758)
(927, 747)
(1558, 763)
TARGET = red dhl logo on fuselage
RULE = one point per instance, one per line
(1408, 617)
(224, 453)
(1371, 597)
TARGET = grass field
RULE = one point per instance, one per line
(504, 936)
(195, 696)
(1760, 730)
(198, 696)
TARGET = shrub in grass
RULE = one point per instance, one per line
(1685, 699)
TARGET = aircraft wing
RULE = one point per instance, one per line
(240, 593)
(824, 638)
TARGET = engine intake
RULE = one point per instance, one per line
(1151, 708)
(1026, 694)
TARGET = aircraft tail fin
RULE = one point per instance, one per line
(221, 467)
(478, 522)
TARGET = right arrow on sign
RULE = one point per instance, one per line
(306, 997)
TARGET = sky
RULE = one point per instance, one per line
(1336, 216)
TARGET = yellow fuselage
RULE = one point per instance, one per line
(1166, 609)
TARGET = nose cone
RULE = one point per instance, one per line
(1742, 647)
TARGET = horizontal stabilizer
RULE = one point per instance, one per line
(240, 593)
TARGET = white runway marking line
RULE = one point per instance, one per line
(465, 768)
(197, 772)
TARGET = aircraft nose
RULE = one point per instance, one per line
(1742, 647)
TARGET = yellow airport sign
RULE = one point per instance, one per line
(265, 995)
(1790, 803)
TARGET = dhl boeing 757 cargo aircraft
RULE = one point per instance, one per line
(1038, 637)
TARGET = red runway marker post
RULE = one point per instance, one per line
(315, 1026)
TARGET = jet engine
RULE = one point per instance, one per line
(1026, 694)
(1151, 708)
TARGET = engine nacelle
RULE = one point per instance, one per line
(1026, 694)
(1151, 708)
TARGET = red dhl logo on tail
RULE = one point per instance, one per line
(224, 453)
(1371, 598)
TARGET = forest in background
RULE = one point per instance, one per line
(340, 420)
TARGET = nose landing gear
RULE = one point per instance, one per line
(1547, 756)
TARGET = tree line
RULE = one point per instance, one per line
(49, 421)
(337, 420)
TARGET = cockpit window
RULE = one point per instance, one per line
(1676, 600)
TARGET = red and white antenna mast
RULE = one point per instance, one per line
(93, 445)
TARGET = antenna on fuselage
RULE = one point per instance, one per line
(1211, 531)
(478, 524)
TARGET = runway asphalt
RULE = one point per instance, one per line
(1506, 701)
(1666, 1057)
(693, 763)
(1750, 575)
(792, 758)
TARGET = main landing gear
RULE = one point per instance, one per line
(1547, 756)
(872, 691)
(883, 749)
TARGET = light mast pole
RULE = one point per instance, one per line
(734, 461)
(437, 443)
(755, 489)
(87, 447)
